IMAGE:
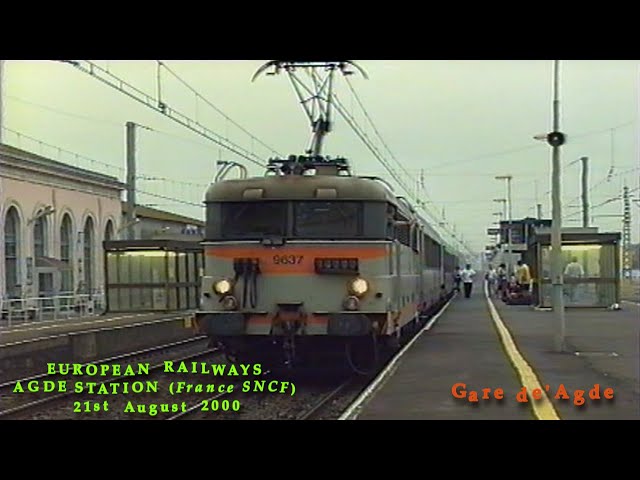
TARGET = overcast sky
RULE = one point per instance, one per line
(461, 122)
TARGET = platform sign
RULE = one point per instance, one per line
(516, 234)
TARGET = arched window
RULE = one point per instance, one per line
(40, 235)
(66, 253)
(108, 231)
(12, 252)
(88, 255)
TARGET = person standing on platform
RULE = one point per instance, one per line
(467, 279)
(523, 276)
(575, 271)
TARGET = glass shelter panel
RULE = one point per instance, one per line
(589, 275)
(154, 279)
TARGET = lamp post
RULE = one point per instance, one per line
(128, 225)
(45, 212)
(504, 205)
(499, 215)
(508, 179)
(504, 215)
(556, 139)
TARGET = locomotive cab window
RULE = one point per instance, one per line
(253, 220)
(327, 219)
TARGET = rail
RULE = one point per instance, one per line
(34, 309)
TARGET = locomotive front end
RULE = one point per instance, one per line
(294, 262)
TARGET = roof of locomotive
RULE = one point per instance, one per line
(321, 187)
(299, 187)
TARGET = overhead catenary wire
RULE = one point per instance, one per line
(209, 103)
(62, 112)
(504, 152)
(609, 130)
(62, 150)
(605, 180)
(602, 204)
(159, 105)
(169, 180)
(107, 122)
(439, 224)
(375, 129)
(78, 156)
(176, 200)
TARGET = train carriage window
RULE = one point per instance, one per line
(425, 250)
(253, 220)
(336, 219)
(432, 254)
(402, 234)
(414, 238)
(390, 225)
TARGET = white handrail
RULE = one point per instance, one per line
(30, 309)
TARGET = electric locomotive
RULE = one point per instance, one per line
(310, 261)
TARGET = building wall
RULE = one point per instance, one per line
(31, 183)
(30, 189)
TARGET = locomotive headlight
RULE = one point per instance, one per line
(222, 287)
(229, 302)
(358, 287)
(351, 303)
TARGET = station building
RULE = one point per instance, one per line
(55, 218)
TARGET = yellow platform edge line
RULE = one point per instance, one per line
(543, 408)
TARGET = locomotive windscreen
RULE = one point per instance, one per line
(254, 220)
(298, 219)
(327, 219)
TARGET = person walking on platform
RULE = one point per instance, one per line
(457, 278)
(502, 280)
(467, 279)
(492, 280)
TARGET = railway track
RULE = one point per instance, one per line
(8, 400)
(243, 396)
(323, 404)
(223, 401)
(24, 357)
(326, 399)
(314, 403)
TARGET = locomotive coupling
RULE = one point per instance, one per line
(289, 318)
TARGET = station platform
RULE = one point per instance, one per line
(42, 329)
(486, 344)
(91, 337)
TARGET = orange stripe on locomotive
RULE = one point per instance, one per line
(295, 260)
